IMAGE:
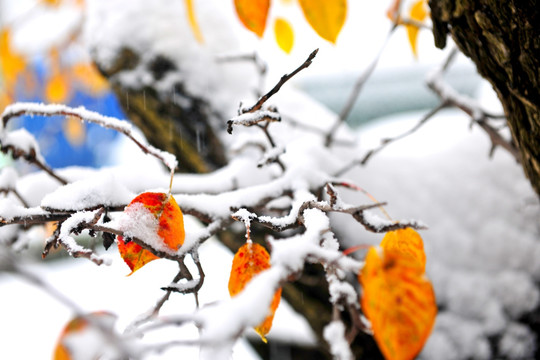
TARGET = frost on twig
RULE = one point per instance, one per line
(334, 334)
(121, 126)
(74, 225)
(470, 106)
(253, 118)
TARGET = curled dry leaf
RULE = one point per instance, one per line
(170, 228)
(253, 14)
(406, 241)
(325, 17)
(398, 300)
(248, 261)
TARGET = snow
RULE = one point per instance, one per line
(55, 109)
(248, 119)
(10, 208)
(378, 223)
(334, 334)
(95, 191)
(151, 28)
(482, 246)
(8, 178)
(21, 140)
(71, 225)
(139, 222)
(127, 297)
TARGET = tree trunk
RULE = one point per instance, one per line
(180, 123)
(503, 40)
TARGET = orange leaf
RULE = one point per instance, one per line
(406, 241)
(170, 228)
(253, 14)
(193, 21)
(418, 13)
(399, 302)
(77, 326)
(134, 255)
(392, 12)
(51, 2)
(11, 64)
(284, 34)
(248, 261)
(325, 17)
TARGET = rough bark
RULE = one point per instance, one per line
(503, 40)
(179, 123)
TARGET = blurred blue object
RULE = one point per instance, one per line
(69, 142)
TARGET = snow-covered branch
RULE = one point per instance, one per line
(20, 109)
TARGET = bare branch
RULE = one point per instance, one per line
(387, 141)
(468, 105)
(81, 113)
(359, 84)
(282, 81)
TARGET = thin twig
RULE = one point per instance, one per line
(282, 81)
(468, 105)
(355, 92)
(387, 141)
(31, 157)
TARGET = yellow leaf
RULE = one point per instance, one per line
(399, 302)
(193, 21)
(406, 241)
(248, 261)
(253, 14)
(325, 17)
(74, 130)
(284, 34)
(57, 88)
(11, 64)
(418, 13)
